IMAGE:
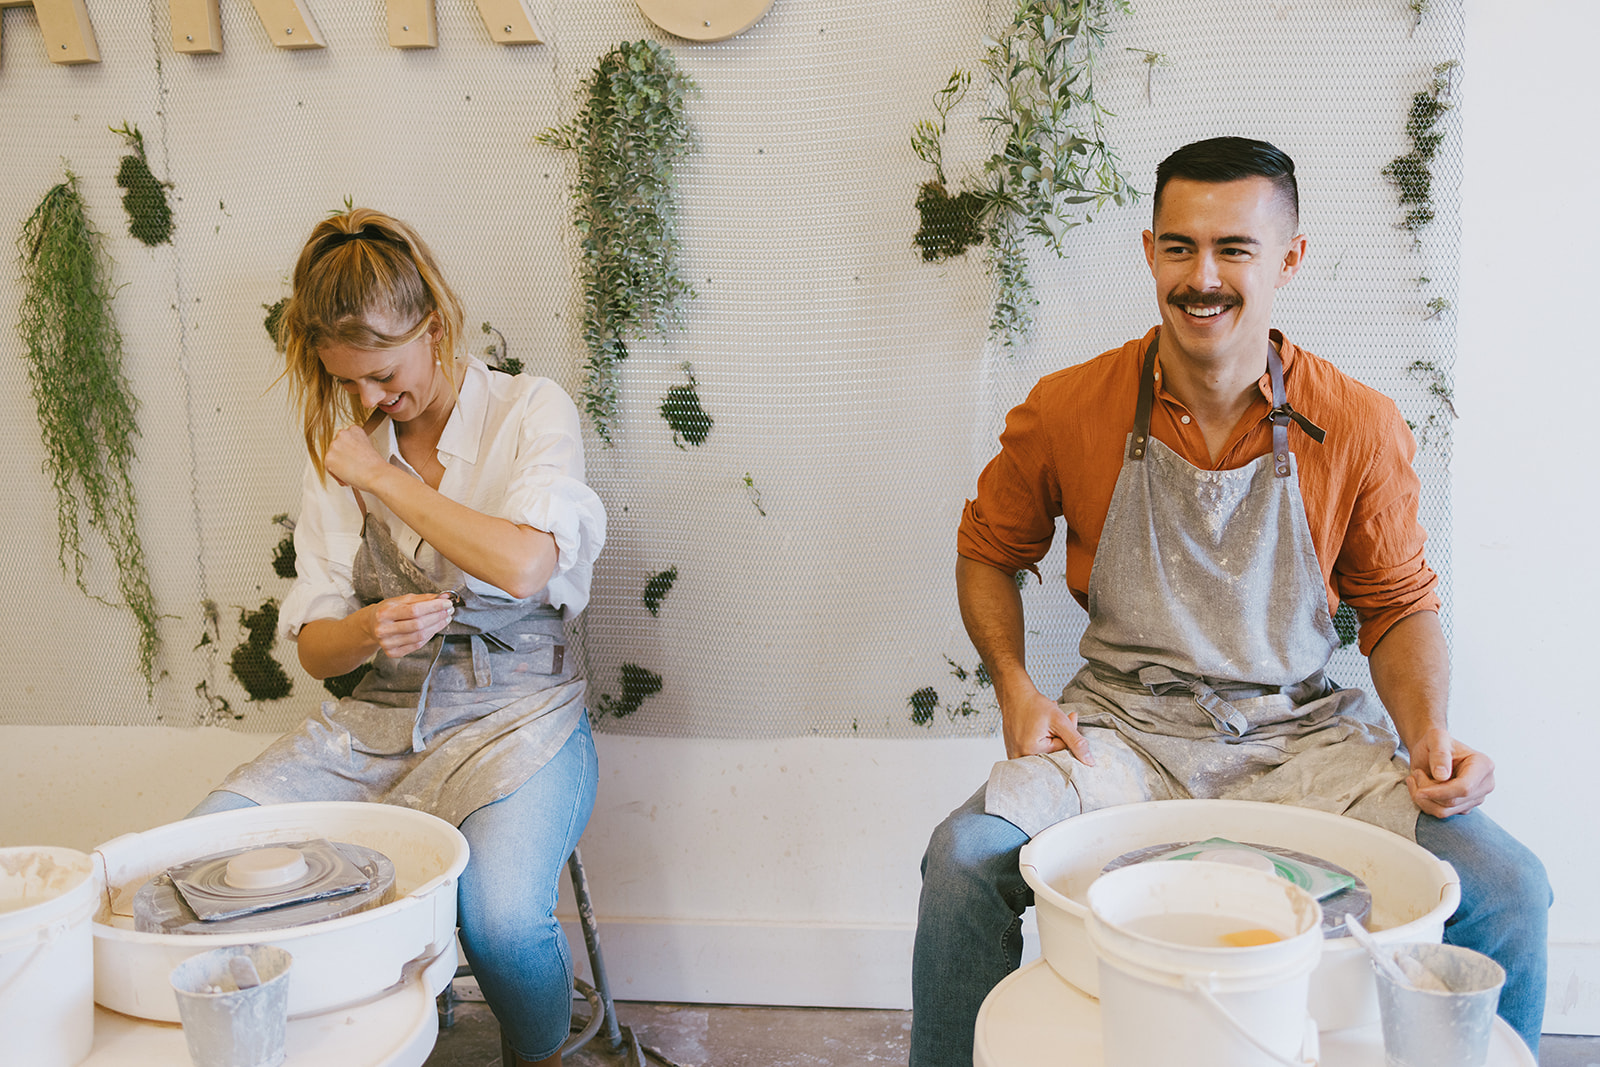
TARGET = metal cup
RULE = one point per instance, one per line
(1428, 1028)
(225, 1026)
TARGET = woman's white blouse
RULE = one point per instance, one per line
(512, 449)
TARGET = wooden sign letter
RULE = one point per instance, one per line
(197, 25)
(68, 36)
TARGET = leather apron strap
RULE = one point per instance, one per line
(1280, 416)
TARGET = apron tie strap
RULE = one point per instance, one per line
(1227, 718)
(418, 742)
(480, 661)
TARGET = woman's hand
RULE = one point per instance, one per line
(352, 460)
(403, 624)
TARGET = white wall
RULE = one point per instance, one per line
(1525, 494)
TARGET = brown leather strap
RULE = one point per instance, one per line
(1147, 396)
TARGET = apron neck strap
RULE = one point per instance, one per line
(1147, 396)
(1280, 416)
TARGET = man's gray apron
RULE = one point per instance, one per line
(457, 724)
(1208, 634)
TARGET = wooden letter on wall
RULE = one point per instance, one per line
(197, 25)
(68, 36)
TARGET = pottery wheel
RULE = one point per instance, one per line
(264, 887)
(1357, 900)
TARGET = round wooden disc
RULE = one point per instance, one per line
(704, 20)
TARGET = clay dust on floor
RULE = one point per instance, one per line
(701, 1035)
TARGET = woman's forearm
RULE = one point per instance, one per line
(518, 559)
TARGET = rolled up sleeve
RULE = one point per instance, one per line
(325, 544)
(1382, 571)
(547, 492)
(1011, 522)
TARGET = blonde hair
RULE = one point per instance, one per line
(354, 266)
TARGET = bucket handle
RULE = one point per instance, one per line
(46, 933)
(1204, 990)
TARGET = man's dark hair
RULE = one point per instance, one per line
(1228, 159)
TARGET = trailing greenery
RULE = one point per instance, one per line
(637, 684)
(498, 354)
(922, 704)
(342, 685)
(681, 408)
(86, 406)
(1412, 173)
(629, 137)
(1346, 625)
(754, 494)
(251, 663)
(656, 589)
(149, 214)
(283, 552)
(1051, 168)
(274, 312)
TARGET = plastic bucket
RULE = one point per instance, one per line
(225, 1026)
(1413, 893)
(47, 896)
(1173, 990)
(1438, 1028)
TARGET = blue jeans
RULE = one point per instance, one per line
(969, 922)
(506, 898)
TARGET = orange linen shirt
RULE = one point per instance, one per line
(1063, 447)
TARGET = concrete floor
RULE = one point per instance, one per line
(700, 1035)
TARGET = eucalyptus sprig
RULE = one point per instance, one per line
(1051, 167)
(86, 405)
(629, 136)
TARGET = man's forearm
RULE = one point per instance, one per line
(991, 610)
(1411, 673)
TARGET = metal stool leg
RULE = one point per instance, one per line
(591, 941)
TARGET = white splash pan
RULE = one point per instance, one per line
(1413, 892)
(337, 963)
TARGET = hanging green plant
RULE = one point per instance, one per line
(498, 353)
(283, 552)
(637, 683)
(656, 589)
(681, 408)
(754, 494)
(629, 137)
(1347, 625)
(251, 663)
(1412, 173)
(1052, 167)
(342, 685)
(274, 312)
(86, 406)
(149, 214)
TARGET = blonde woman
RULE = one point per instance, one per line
(445, 533)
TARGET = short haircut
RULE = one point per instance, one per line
(1229, 159)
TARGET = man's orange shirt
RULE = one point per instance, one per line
(1063, 447)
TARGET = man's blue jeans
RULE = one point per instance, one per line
(506, 899)
(969, 923)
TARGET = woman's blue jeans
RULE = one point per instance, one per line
(969, 923)
(506, 899)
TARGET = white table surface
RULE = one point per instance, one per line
(396, 1030)
(1033, 1016)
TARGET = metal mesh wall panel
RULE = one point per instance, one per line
(850, 381)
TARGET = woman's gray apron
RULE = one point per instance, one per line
(457, 724)
(1207, 638)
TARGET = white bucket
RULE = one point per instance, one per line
(1413, 893)
(1172, 991)
(47, 896)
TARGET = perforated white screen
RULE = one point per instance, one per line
(850, 380)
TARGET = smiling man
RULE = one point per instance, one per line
(1223, 492)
